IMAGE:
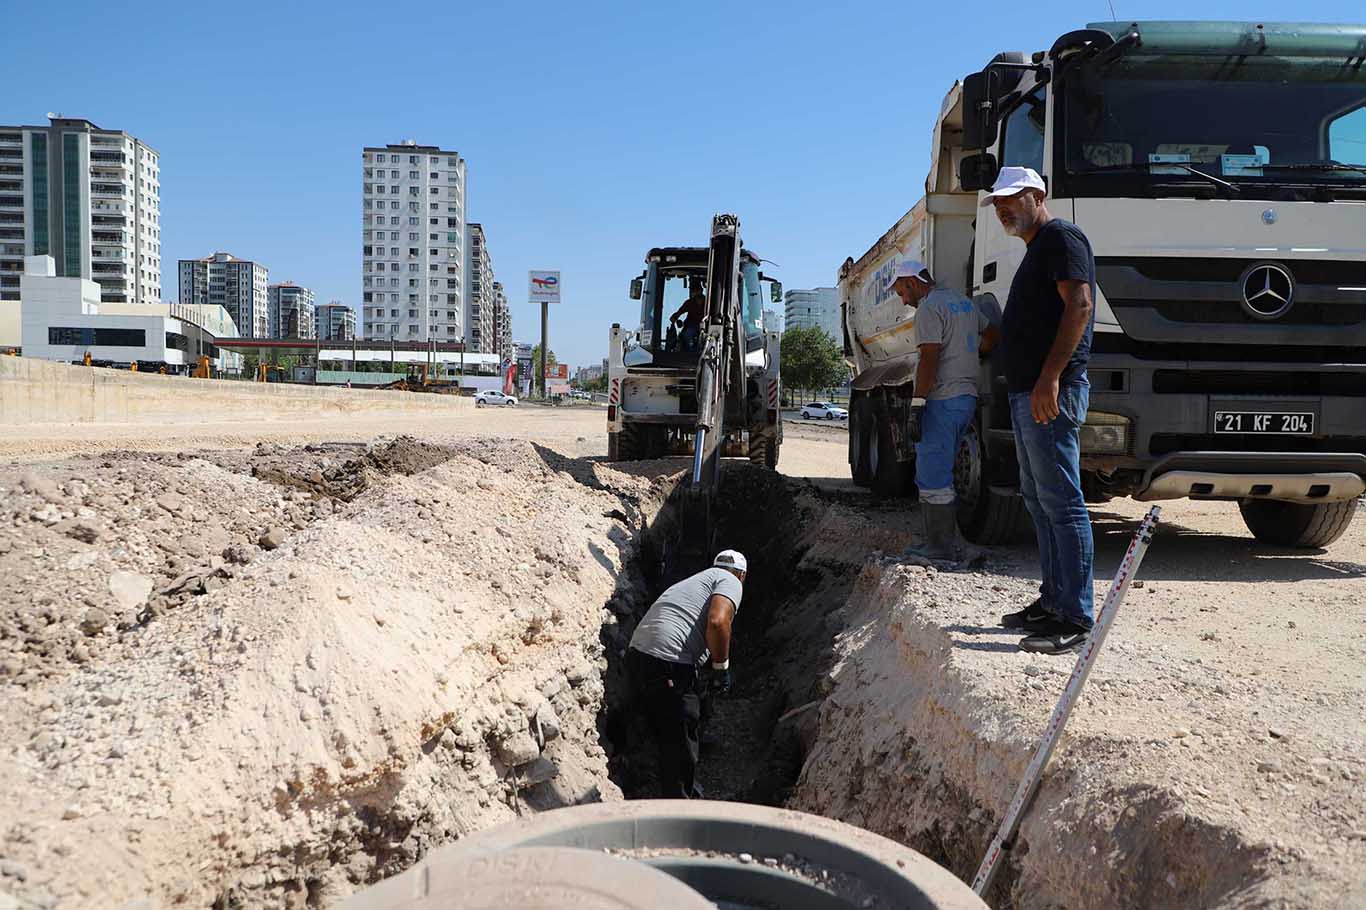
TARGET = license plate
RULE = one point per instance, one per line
(1276, 423)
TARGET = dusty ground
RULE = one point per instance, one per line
(263, 676)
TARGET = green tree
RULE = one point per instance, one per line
(537, 371)
(812, 360)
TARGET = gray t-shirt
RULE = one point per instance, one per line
(675, 627)
(954, 322)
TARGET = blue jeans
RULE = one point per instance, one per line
(941, 430)
(1050, 481)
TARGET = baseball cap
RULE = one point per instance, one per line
(1011, 180)
(911, 268)
(731, 559)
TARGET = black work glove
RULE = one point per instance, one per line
(915, 424)
(720, 681)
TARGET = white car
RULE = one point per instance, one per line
(817, 410)
(489, 396)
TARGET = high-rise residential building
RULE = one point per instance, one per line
(336, 322)
(289, 311)
(89, 198)
(413, 243)
(502, 321)
(818, 307)
(237, 285)
(479, 333)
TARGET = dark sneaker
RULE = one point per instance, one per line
(1026, 619)
(1057, 637)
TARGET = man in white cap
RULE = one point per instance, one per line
(950, 332)
(1045, 346)
(688, 623)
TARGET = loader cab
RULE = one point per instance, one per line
(673, 278)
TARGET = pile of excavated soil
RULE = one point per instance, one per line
(268, 678)
(1215, 758)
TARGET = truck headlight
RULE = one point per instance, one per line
(1105, 434)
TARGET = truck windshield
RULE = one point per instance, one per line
(1139, 123)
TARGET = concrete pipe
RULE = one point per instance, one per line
(735, 856)
(529, 878)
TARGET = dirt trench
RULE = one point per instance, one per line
(434, 644)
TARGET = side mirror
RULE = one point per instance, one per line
(775, 292)
(978, 172)
(637, 288)
(979, 110)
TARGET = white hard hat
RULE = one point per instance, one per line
(1011, 180)
(911, 268)
(731, 559)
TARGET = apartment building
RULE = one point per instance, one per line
(240, 286)
(289, 311)
(479, 335)
(414, 246)
(819, 307)
(88, 197)
(502, 322)
(336, 322)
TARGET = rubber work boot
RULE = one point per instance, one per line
(940, 521)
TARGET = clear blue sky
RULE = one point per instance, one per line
(592, 131)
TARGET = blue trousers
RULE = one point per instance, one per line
(942, 427)
(1050, 481)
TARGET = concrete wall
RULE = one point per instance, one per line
(40, 391)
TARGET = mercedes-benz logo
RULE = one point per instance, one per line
(1268, 290)
(1269, 216)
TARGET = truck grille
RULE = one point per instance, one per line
(1261, 382)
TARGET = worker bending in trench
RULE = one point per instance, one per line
(952, 333)
(690, 621)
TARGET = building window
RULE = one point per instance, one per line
(41, 243)
(413, 175)
(114, 338)
(71, 204)
(394, 174)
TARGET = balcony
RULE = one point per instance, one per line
(110, 191)
(11, 202)
(11, 153)
(10, 139)
(112, 269)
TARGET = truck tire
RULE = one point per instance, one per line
(860, 422)
(890, 478)
(1295, 524)
(985, 517)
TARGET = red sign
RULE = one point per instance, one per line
(557, 371)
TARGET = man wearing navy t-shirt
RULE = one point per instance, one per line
(1045, 345)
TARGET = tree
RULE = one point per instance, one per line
(812, 360)
(537, 372)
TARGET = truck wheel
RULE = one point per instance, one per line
(860, 422)
(891, 478)
(985, 517)
(1295, 524)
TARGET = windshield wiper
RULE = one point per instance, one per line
(1316, 166)
(1147, 169)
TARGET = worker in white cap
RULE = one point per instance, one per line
(951, 333)
(689, 624)
(1045, 347)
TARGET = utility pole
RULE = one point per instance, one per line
(545, 348)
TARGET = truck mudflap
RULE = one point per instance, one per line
(1308, 478)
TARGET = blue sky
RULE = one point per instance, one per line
(592, 131)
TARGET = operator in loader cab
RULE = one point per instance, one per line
(951, 332)
(688, 623)
(691, 311)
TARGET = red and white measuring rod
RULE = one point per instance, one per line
(1005, 836)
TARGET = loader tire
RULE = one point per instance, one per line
(1295, 524)
(763, 452)
(629, 443)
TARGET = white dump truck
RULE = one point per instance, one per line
(1219, 170)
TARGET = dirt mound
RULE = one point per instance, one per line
(390, 673)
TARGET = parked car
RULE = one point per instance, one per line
(817, 410)
(490, 396)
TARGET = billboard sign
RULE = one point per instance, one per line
(557, 371)
(544, 287)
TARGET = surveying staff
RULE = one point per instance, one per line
(690, 620)
(951, 332)
(1046, 343)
